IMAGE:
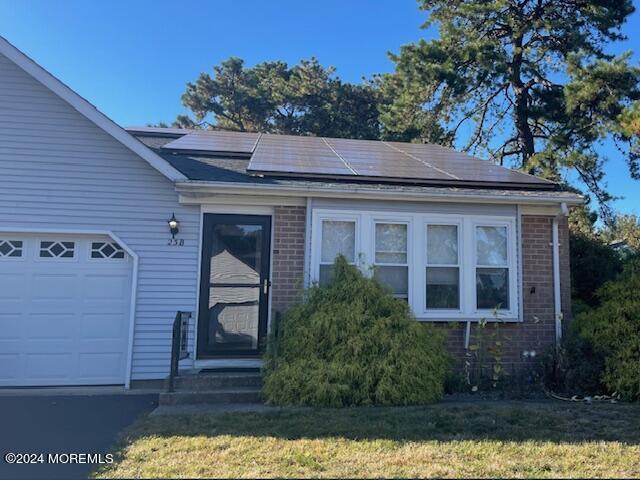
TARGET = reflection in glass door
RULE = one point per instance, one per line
(234, 284)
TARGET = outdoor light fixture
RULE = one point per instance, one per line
(173, 225)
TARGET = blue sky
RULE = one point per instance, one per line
(132, 59)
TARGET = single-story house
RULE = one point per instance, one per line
(106, 233)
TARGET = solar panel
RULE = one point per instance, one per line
(465, 167)
(283, 154)
(207, 141)
(299, 155)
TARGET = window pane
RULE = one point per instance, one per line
(326, 275)
(442, 244)
(492, 288)
(443, 288)
(395, 278)
(491, 245)
(338, 238)
(391, 243)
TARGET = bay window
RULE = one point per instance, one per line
(448, 267)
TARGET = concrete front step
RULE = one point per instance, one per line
(214, 381)
(220, 395)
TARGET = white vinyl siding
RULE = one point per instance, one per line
(60, 171)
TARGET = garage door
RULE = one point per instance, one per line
(64, 310)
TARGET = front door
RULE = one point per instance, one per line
(234, 285)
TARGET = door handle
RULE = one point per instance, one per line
(265, 285)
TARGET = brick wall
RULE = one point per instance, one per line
(535, 333)
(288, 256)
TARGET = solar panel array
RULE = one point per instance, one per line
(365, 159)
(282, 154)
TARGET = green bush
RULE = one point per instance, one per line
(613, 330)
(353, 343)
(576, 369)
(593, 263)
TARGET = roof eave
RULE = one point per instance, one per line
(197, 188)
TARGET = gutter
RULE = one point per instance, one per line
(557, 300)
(211, 188)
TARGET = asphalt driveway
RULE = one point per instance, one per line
(64, 424)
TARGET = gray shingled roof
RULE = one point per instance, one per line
(220, 169)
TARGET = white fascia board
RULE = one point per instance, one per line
(194, 189)
(89, 111)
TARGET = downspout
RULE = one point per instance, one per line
(467, 335)
(307, 244)
(557, 299)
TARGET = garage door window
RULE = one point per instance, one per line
(10, 248)
(50, 249)
(106, 250)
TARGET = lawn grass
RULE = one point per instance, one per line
(463, 440)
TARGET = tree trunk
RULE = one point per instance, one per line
(521, 113)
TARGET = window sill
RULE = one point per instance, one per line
(463, 319)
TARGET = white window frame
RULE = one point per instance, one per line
(393, 220)
(365, 222)
(316, 253)
(448, 312)
(511, 266)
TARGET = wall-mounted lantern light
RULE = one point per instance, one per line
(174, 225)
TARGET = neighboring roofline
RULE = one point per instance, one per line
(168, 132)
(88, 110)
(451, 194)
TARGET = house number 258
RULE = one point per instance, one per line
(176, 242)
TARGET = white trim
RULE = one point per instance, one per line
(89, 111)
(520, 271)
(416, 244)
(134, 278)
(546, 210)
(231, 210)
(187, 189)
(242, 199)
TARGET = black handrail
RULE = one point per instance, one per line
(179, 344)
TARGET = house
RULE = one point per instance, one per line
(92, 274)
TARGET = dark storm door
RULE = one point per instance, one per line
(234, 285)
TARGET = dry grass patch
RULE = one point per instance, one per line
(479, 440)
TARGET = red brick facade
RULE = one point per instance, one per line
(535, 334)
(288, 256)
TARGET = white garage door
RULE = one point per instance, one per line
(64, 310)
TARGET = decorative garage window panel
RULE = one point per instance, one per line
(54, 249)
(448, 267)
(10, 248)
(106, 250)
